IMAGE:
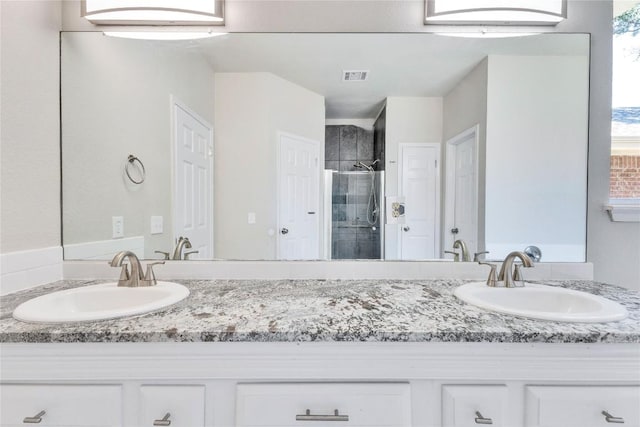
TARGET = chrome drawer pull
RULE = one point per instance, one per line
(310, 417)
(165, 421)
(482, 420)
(35, 419)
(611, 419)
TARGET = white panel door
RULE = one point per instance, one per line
(298, 198)
(420, 187)
(462, 190)
(193, 197)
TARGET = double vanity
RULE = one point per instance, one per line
(312, 352)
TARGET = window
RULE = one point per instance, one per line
(625, 119)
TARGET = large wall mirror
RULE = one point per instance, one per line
(325, 146)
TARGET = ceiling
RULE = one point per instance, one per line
(399, 64)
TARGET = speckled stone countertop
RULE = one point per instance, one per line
(325, 310)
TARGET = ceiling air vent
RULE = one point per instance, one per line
(355, 75)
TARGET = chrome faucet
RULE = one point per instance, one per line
(513, 279)
(136, 278)
(129, 280)
(460, 244)
(183, 242)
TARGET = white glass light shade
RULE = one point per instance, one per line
(162, 35)
(154, 12)
(495, 12)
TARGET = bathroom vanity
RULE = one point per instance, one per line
(312, 352)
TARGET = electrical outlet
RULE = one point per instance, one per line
(117, 226)
(156, 225)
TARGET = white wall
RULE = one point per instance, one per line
(30, 252)
(251, 108)
(409, 120)
(536, 114)
(117, 101)
(465, 106)
(612, 247)
(29, 132)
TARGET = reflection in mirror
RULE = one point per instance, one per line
(325, 146)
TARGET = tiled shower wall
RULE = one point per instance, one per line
(352, 236)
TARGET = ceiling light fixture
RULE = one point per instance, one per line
(162, 35)
(153, 12)
(495, 12)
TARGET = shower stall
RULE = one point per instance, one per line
(357, 213)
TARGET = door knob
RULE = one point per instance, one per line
(284, 231)
(406, 228)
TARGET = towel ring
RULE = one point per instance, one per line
(132, 160)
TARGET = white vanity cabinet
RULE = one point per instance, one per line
(260, 384)
(339, 404)
(83, 405)
(580, 406)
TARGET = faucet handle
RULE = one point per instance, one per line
(186, 254)
(166, 254)
(517, 274)
(456, 255)
(491, 280)
(124, 275)
(149, 276)
(476, 255)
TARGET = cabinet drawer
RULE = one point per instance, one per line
(581, 406)
(64, 405)
(463, 404)
(282, 405)
(183, 403)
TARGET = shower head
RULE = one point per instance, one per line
(363, 166)
(369, 167)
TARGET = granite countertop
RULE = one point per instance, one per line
(325, 310)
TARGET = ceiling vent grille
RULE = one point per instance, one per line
(355, 75)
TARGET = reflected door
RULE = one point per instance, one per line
(298, 198)
(420, 186)
(193, 196)
(462, 191)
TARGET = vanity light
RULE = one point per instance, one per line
(495, 12)
(484, 34)
(162, 35)
(154, 12)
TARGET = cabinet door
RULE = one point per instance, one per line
(315, 404)
(581, 406)
(63, 405)
(184, 405)
(473, 405)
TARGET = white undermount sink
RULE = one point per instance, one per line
(542, 302)
(99, 302)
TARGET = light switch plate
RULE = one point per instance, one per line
(251, 217)
(117, 226)
(157, 225)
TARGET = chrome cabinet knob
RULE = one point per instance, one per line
(284, 231)
(308, 416)
(406, 228)
(165, 421)
(611, 419)
(35, 419)
(482, 420)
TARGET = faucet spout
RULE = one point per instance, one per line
(136, 276)
(461, 244)
(506, 273)
(183, 242)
